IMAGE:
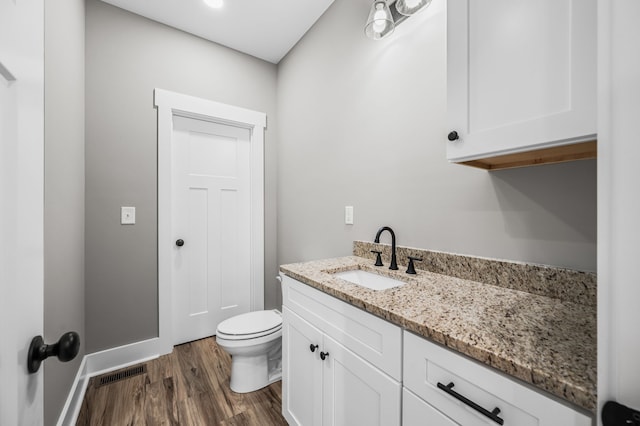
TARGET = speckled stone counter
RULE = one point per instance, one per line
(545, 341)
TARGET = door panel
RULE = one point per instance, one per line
(21, 208)
(211, 213)
(301, 393)
(355, 392)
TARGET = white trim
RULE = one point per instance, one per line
(71, 408)
(170, 104)
(102, 362)
(133, 353)
(607, 334)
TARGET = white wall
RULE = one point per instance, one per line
(64, 193)
(362, 123)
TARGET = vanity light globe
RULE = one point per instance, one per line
(379, 23)
(410, 7)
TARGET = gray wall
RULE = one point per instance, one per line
(126, 58)
(64, 193)
(363, 123)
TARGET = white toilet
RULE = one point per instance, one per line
(254, 341)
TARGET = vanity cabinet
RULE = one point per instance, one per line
(338, 362)
(521, 81)
(438, 381)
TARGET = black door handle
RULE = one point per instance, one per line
(324, 355)
(453, 136)
(65, 349)
(313, 347)
(614, 414)
(180, 243)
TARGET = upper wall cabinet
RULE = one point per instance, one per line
(521, 81)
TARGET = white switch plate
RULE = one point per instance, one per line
(348, 215)
(127, 215)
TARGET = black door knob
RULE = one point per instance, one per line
(179, 243)
(313, 347)
(324, 355)
(453, 136)
(65, 349)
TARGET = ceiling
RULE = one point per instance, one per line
(264, 29)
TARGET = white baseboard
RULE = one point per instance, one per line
(76, 394)
(98, 363)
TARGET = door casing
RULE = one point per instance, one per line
(172, 104)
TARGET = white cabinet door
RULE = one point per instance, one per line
(521, 75)
(301, 371)
(355, 392)
(416, 412)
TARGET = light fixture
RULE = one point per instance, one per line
(214, 4)
(409, 7)
(380, 22)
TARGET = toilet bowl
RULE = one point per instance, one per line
(254, 341)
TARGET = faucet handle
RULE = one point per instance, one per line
(378, 258)
(411, 269)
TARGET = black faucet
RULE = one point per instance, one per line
(394, 264)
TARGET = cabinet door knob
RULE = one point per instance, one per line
(180, 243)
(453, 136)
(324, 355)
(313, 347)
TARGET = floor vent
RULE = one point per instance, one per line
(107, 379)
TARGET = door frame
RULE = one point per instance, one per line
(172, 104)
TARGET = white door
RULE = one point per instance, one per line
(301, 371)
(354, 391)
(21, 207)
(211, 202)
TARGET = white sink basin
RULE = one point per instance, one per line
(369, 280)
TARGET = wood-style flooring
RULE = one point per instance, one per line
(188, 387)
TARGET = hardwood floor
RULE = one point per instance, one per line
(188, 387)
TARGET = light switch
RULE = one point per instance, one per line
(348, 215)
(127, 215)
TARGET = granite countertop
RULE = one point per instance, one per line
(545, 341)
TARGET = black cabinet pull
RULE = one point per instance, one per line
(324, 355)
(493, 415)
(313, 347)
(453, 136)
(180, 243)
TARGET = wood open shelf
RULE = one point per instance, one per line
(559, 154)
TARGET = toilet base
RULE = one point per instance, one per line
(251, 373)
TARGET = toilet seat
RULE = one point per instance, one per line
(251, 325)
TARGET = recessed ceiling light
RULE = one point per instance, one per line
(215, 4)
